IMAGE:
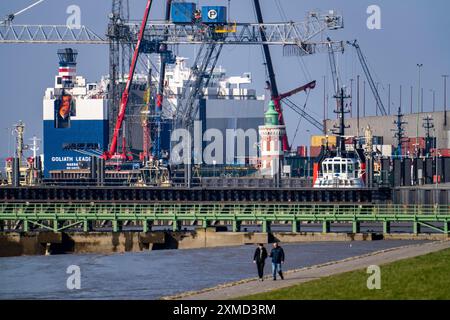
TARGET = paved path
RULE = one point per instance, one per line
(293, 277)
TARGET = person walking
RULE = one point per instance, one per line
(259, 258)
(277, 255)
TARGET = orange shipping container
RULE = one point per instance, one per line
(317, 141)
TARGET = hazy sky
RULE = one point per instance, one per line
(413, 31)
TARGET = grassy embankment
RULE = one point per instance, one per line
(423, 277)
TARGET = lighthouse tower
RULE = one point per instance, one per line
(270, 137)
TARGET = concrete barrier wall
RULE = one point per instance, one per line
(311, 236)
(14, 244)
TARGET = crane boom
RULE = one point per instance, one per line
(160, 92)
(124, 101)
(333, 67)
(305, 87)
(304, 114)
(272, 80)
(11, 16)
(365, 67)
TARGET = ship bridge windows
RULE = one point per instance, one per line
(337, 168)
(350, 168)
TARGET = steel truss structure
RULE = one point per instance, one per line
(49, 34)
(59, 217)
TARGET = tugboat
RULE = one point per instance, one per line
(339, 172)
(340, 168)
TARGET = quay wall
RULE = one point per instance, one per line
(47, 243)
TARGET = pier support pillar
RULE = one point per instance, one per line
(326, 226)
(55, 225)
(386, 227)
(296, 226)
(26, 226)
(447, 227)
(356, 226)
(117, 225)
(266, 226)
(205, 223)
(146, 226)
(416, 227)
(236, 226)
(176, 225)
(87, 225)
(2, 225)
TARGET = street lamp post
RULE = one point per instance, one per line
(309, 160)
(419, 66)
(434, 99)
(436, 158)
(445, 76)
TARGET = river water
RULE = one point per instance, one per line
(153, 274)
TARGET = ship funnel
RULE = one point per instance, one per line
(68, 56)
(67, 66)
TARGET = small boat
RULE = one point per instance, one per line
(339, 172)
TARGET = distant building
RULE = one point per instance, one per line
(383, 126)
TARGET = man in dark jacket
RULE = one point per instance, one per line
(277, 255)
(259, 258)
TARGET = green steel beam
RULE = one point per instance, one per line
(386, 227)
(355, 227)
(326, 226)
(62, 216)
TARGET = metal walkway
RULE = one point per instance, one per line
(81, 217)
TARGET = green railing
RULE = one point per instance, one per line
(58, 217)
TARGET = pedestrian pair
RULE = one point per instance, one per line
(277, 255)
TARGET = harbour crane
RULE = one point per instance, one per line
(159, 34)
(334, 71)
(10, 17)
(372, 85)
(112, 152)
(272, 84)
(166, 57)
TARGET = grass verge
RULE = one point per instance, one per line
(424, 277)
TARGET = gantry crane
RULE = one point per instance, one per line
(112, 152)
(210, 37)
(166, 57)
(272, 83)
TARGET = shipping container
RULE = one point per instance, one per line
(315, 151)
(441, 153)
(411, 144)
(214, 14)
(183, 12)
(386, 150)
(349, 140)
(349, 147)
(317, 141)
(375, 140)
(302, 151)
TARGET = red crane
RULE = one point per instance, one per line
(278, 108)
(112, 152)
